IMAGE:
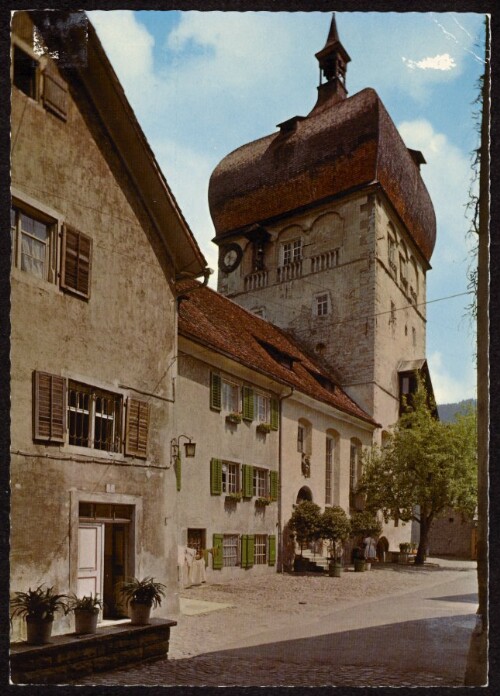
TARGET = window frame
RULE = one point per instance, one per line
(230, 542)
(236, 396)
(291, 251)
(231, 477)
(322, 304)
(301, 438)
(40, 213)
(262, 415)
(329, 454)
(260, 549)
(94, 394)
(260, 482)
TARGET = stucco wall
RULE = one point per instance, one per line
(215, 438)
(122, 339)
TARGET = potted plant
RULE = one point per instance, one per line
(335, 527)
(141, 596)
(262, 500)
(264, 428)
(233, 418)
(404, 551)
(305, 523)
(38, 608)
(235, 495)
(358, 558)
(86, 610)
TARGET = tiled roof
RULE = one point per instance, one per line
(215, 321)
(339, 147)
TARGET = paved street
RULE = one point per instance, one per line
(415, 636)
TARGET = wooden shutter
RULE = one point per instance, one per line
(76, 262)
(215, 391)
(247, 480)
(247, 550)
(136, 428)
(247, 403)
(216, 476)
(273, 480)
(49, 400)
(178, 472)
(274, 414)
(217, 553)
(271, 549)
(55, 92)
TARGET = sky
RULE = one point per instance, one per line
(204, 83)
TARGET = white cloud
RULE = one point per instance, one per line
(448, 389)
(128, 44)
(440, 62)
(447, 176)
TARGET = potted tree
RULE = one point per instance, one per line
(335, 527)
(141, 596)
(38, 608)
(86, 611)
(305, 523)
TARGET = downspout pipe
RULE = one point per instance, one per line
(280, 471)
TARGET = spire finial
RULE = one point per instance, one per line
(333, 59)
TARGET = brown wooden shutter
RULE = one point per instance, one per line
(136, 428)
(55, 92)
(49, 400)
(76, 262)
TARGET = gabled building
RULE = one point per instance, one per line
(271, 427)
(98, 243)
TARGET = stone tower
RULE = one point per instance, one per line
(326, 229)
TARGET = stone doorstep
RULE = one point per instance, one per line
(70, 656)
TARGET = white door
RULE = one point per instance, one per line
(90, 559)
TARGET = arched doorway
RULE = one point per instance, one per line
(382, 549)
(304, 494)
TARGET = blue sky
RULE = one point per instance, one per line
(204, 83)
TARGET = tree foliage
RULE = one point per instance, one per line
(306, 522)
(335, 527)
(426, 467)
(365, 524)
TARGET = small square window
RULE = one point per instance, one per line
(322, 305)
(25, 69)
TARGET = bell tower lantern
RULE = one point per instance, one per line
(332, 59)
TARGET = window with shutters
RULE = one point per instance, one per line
(33, 243)
(25, 73)
(94, 417)
(260, 549)
(230, 550)
(76, 259)
(260, 482)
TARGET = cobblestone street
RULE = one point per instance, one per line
(391, 626)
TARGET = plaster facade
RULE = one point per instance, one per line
(101, 347)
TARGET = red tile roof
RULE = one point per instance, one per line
(215, 321)
(339, 147)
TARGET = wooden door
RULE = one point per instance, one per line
(90, 559)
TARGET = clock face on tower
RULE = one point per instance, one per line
(230, 257)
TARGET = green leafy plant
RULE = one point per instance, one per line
(39, 604)
(264, 428)
(335, 526)
(234, 418)
(262, 500)
(145, 591)
(238, 495)
(365, 524)
(305, 522)
(405, 548)
(90, 603)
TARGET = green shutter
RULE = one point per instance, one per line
(217, 555)
(247, 480)
(216, 476)
(273, 480)
(247, 550)
(247, 403)
(274, 414)
(215, 391)
(178, 471)
(271, 551)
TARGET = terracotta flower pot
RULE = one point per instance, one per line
(39, 631)
(139, 613)
(86, 621)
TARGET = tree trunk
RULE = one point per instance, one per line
(425, 526)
